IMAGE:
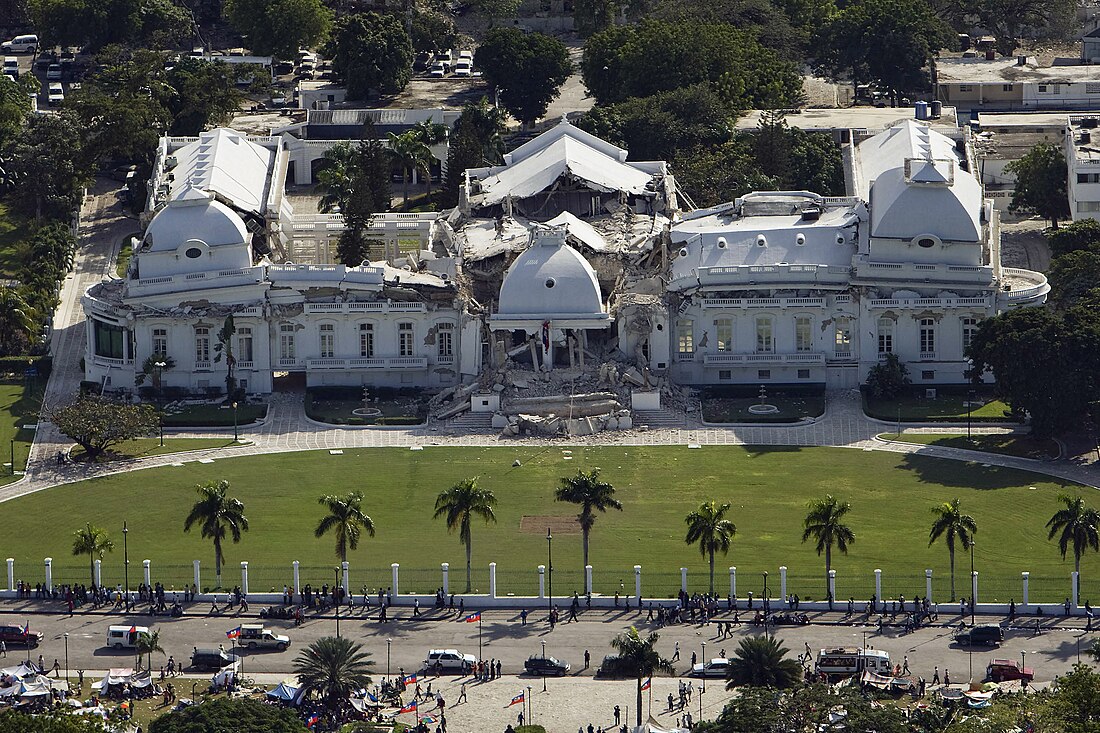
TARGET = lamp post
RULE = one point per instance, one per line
(193, 686)
(67, 657)
(235, 434)
(765, 593)
(544, 657)
(550, 574)
(704, 660)
(335, 593)
(126, 564)
(973, 600)
(161, 425)
(969, 407)
(389, 642)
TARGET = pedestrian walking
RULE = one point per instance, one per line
(946, 677)
(416, 607)
(905, 665)
(676, 652)
(56, 668)
(462, 694)
(618, 714)
(936, 676)
(3, 649)
(587, 658)
(523, 617)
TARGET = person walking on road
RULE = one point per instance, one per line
(905, 664)
(3, 649)
(587, 658)
(676, 652)
(936, 675)
(462, 694)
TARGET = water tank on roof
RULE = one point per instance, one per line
(1090, 123)
(1086, 137)
(922, 110)
(935, 109)
(990, 55)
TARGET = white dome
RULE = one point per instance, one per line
(194, 216)
(550, 280)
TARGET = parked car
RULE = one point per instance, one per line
(464, 68)
(21, 44)
(545, 666)
(449, 660)
(11, 67)
(124, 637)
(212, 658)
(716, 667)
(56, 93)
(422, 61)
(439, 70)
(987, 634)
(20, 635)
(256, 636)
(446, 58)
(1003, 670)
(53, 73)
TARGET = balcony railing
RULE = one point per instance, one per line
(722, 359)
(203, 366)
(374, 306)
(764, 302)
(387, 362)
(927, 356)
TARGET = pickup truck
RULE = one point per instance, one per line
(255, 636)
(20, 635)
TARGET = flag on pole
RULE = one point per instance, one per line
(313, 719)
(409, 679)
(647, 683)
(473, 618)
(233, 633)
(411, 707)
(518, 699)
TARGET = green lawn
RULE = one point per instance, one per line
(1023, 446)
(14, 234)
(947, 407)
(123, 260)
(891, 497)
(145, 447)
(18, 407)
(212, 416)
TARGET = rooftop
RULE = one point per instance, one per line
(1085, 132)
(1005, 70)
(1038, 121)
(226, 163)
(852, 118)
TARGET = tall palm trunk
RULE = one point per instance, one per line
(91, 568)
(638, 701)
(951, 552)
(711, 572)
(1077, 569)
(584, 544)
(218, 560)
(828, 566)
(469, 552)
(405, 186)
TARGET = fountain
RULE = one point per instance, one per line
(763, 408)
(366, 411)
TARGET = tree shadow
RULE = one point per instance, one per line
(972, 474)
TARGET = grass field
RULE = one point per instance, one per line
(18, 407)
(891, 497)
(946, 407)
(213, 416)
(145, 447)
(14, 234)
(1023, 446)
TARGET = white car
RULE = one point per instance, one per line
(464, 68)
(53, 73)
(449, 660)
(55, 93)
(716, 667)
(11, 67)
(439, 70)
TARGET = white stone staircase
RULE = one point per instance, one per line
(475, 422)
(659, 419)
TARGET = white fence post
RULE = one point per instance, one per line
(542, 581)
(928, 585)
(638, 584)
(49, 573)
(244, 577)
(1027, 577)
(297, 584)
(878, 588)
(974, 588)
(588, 579)
(146, 572)
(832, 587)
(97, 573)
(11, 573)
(733, 581)
(1073, 579)
(198, 584)
(684, 579)
(345, 569)
(395, 569)
(492, 580)
(783, 581)
(446, 577)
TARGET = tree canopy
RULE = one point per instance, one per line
(97, 23)
(1040, 183)
(371, 51)
(528, 69)
(49, 164)
(279, 27)
(221, 714)
(96, 423)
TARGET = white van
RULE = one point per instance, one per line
(124, 637)
(848, 661)
(21, 44)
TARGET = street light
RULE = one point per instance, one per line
(704, 675)
(235, 435)
(335, 592)
(973, 600)
(544, 657)
(126, 564)
(162, 431)
(550, 577)
(969, 407)
(765, 592)
(67, 658)
(389, 642)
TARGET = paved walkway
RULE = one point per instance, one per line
(287, 429)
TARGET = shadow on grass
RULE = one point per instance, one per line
(971, 475)
(763, 450)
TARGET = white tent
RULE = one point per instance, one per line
(226, 675)
(284, 693)
(123, 676)
(24, 669)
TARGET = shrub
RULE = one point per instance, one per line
(888, 379)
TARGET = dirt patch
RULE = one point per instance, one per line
(557, 525)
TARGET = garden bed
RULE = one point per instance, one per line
(1008, 444)
(731, 404)
(336, 406)
(211, 415)
(949, 405)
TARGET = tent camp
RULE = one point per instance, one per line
(119, 677)
(30, 688)
(285, 693)
(226, 676)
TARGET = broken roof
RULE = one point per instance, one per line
(226, 163)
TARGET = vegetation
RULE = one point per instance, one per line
(1008, 444)
(949, 405)
(587, 491)
(708, 528)
(371, 52)
(147, 447)
(1041, 183)
(148, 643)
(240, 715)
(527, 69)
(332, 668)
(887, 379)
(279, 27)
(151, 23)
(19, 721)
(459, 505)
(96, 423)
(760, 662)
(346, 520)
(93, 542)
(1078, 525)
(217, 515)
(824, 524)
(810, 707)
(639, 658)
(953, 526)
(355, 179)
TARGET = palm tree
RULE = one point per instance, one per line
(1078, 524)
(586, 490)
(824, 524)
(93, 542)
(708, 527)
(345, 516)
(18, 321)
(335, 177)
(409, 152)
(759, 662)
(217, 514)
(459, 504)
(431, 134)
(952, 525)
(333, 667)
(639, 657)
(147, 643)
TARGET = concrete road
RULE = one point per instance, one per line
(503, 637)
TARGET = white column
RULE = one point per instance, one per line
(638, 584)
(832, 585)
(1073, 577)
(297, 586)
(733, 581)
(783, 581)
(684, 579)
(928, 585)
(542, 581)
(492, 580)
(145, 572)
(878, 586)
(395, 569)
(974, 587)
(11, 573)
(49, 573)
(198, 585)
(97, 573)
(1026, 576)
(244, 577)
(446, 577)
(344, 571)
(587, 578)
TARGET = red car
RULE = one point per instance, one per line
(20, 635)
(1002, 670)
